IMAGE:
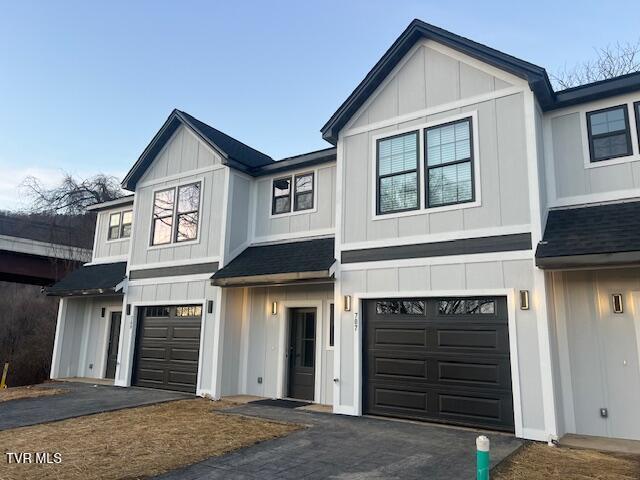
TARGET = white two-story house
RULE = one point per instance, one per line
(465, 252)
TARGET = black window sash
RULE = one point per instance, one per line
(626, 131)
(636, 108)
(379, 177)
(296, 193)
(275, 197)
(189, 212)
(109, 237)
(454, 162)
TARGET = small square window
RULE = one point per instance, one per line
(609, 135)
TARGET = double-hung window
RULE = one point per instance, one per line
(449, 164)
(609, 133)
(176, 221)
(397, 173)
(300, 188)
(120, 225)
(636, 107)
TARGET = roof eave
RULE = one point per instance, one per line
(536, 76)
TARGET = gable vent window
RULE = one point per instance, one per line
(281, 196)
(397, 173)
(176, 221)
(449, 164)
(609, 135)
(120, 225)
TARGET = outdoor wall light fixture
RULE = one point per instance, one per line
(347, 303)
(524, 299)
(103, 312)
(274, 308)
(616, 299)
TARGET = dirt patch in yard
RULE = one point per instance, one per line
(135, 443)
(537, 461)
(16, 393)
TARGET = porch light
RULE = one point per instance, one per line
(524, 299)
(274, 308)
(347, 303)
(617, 302)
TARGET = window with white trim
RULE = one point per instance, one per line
(293, 193)
(609, 133)
(120, 225)
(176, 221)
(397, 173)
(449, 164)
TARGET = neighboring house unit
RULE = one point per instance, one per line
(466, 253)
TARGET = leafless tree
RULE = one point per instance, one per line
(72, 196)
(610, 61)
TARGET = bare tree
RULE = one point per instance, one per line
(72, 196)
(611, 61)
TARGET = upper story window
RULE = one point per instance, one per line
(397, 174)
(609, 135)
(176, 221)
(120, 225)
(449, 164)
(636, 107)
(300, 187)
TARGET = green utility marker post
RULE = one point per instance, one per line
(482, 458)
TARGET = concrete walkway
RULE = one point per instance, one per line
(81, 399)
(350, 448)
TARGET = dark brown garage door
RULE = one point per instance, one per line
(167, 347)
(444, 360)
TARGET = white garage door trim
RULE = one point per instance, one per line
(132, 324)
(356, 409)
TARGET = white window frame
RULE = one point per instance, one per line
(121, 213)
(175, 187)
(293, 175)
(422, 208)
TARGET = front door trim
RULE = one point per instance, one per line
(283, 344)
(510, 293)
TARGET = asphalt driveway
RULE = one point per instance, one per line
(350, 448)
(80, 399)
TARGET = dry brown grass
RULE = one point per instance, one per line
(17, 393)
(539, 462)
(135, 443)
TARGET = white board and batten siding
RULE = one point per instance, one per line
(572, 178)
(318, 221)
(184, 159)
(254, 360)
(105, 249)
(435, 85)
(598, 351)
(84, 336)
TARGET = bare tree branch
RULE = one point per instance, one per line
(611, 61)
(71, 196)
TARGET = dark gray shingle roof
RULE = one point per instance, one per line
(598, 229)
(306, 256)
(90, 279)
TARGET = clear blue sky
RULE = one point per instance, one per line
(85, 85)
